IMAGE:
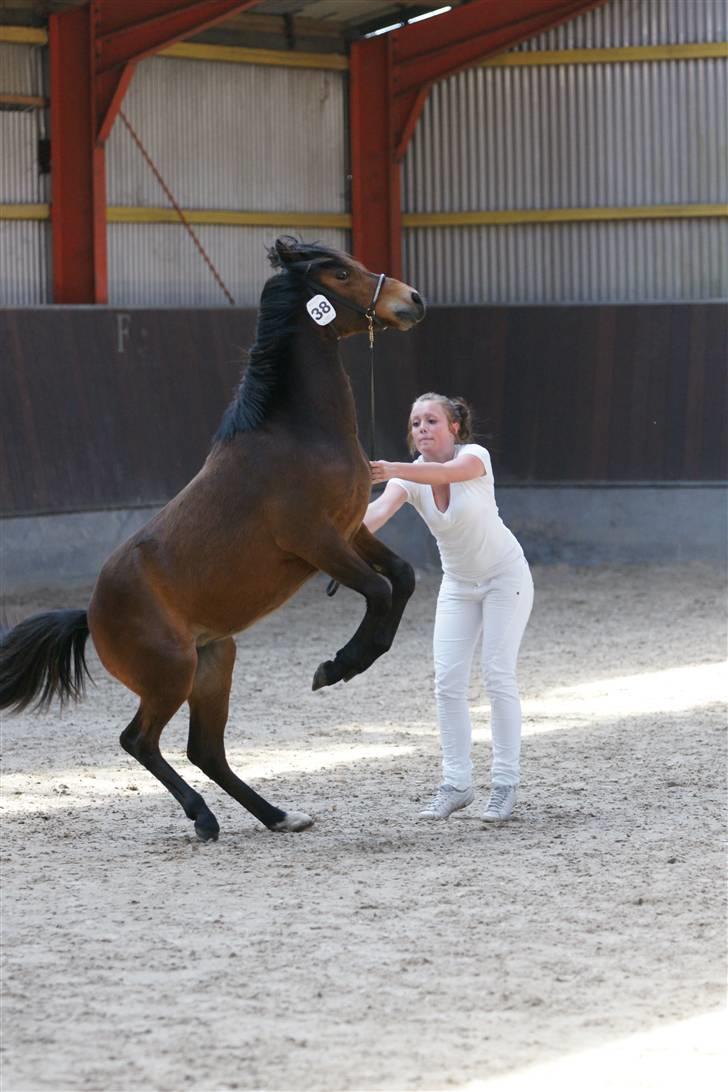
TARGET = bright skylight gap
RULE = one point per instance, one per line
(429, 14)
(384, 30)
(414, 19)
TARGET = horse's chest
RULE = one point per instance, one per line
(350, 493)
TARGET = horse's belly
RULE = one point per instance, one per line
(248, 599)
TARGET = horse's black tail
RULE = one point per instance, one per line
(42, 659)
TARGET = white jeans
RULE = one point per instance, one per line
(500, 607)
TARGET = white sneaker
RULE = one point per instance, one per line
(446, 800)
(501, 804)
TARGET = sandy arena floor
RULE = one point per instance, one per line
(580, 946)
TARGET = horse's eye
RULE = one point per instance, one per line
(342, 275)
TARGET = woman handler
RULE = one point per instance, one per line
(486, 586)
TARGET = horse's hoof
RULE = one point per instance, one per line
(293, 820)
(326, 674)
(332, 671)
(207, 828)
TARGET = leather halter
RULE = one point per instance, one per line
(367, 313)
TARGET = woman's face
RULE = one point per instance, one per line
(433, 434)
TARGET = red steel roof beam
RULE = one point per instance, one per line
(138, 28)
(436, 47)
(440, 47)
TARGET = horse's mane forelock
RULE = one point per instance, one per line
(297, 256)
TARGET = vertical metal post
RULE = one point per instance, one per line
(78, 199)
(375, 195)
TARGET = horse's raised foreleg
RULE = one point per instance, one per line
(398, 572)
(330, 553)
(208, 703)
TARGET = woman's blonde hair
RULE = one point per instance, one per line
(458, 412)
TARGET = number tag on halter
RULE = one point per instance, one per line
(321, 311)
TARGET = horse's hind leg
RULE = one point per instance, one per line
(141, 739)
(208, 701)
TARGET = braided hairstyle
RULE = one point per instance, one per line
(457, 412)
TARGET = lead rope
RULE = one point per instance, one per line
(370, 317)
(372, 404)
(333, 585)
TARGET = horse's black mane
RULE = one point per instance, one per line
(268, 357)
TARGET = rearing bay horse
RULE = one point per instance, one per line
(280, 497)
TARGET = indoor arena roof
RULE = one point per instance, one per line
(272, 24)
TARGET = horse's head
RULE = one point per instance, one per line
(345, 283)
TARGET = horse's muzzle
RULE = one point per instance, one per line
(409, 315)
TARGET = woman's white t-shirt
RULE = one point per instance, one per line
(473, 540)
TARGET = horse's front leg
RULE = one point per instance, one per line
(329, 552)
(398, 572)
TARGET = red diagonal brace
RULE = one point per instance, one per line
(438, 47)
(401, 67)
(93, 51)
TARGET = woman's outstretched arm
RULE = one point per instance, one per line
(384, 507)
(463, 468)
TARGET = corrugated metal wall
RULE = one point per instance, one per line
(644, 261)
(639, 22)
(24, 262)
(155, 265)
(572, 136)
(223, 136)
(268, 139)
(578, 136)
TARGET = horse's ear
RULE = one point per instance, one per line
(285, 250)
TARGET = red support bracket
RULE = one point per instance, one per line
(93, 51)
(405, 70)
